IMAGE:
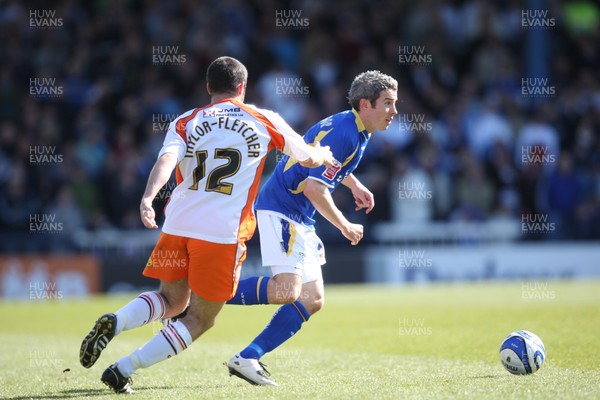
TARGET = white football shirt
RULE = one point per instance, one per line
(221, 151)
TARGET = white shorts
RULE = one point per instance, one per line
(290, 247)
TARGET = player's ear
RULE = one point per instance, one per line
(208, 89)
(364, 103)
(241, 89)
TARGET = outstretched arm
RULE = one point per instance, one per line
(159, 176)
(309, 156)
(317, 156)
(318, 194)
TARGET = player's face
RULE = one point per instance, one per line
(380, 117)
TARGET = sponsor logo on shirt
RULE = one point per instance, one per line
(330, 172)
(216, 112)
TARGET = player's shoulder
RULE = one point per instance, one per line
(186, 116)
(270, 115)
(265, 112)
(340, 126)
(341, 123)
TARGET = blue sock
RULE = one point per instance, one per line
(251, 291)
(285, 323)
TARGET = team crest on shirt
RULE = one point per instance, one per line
(331, 171)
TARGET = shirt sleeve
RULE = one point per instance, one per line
(294, 144)
(341, 147)
(173, 143)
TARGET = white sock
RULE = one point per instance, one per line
(170, 341)
(147, 307)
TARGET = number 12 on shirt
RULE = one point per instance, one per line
(214, 181)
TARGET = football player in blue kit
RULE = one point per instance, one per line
(285, 209)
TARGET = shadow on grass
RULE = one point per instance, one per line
(486, 376)
(83, 393)
(66, 394)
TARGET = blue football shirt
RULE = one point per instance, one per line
(347, 138)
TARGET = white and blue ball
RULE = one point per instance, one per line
(522, 353)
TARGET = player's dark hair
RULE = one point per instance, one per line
(368, 85)
(225, 74)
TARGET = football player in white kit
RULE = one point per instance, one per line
(218, 153)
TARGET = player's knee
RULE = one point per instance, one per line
(318, 304)
(314, 304)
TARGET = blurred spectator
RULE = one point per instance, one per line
(474, 194)
(18, 201)
(489, 128)
(537, 141)
(65, 210)
(561, 193)
(286, 92)
(411, 193)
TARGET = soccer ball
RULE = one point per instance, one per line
(522, 353)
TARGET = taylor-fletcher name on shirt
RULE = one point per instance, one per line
(227, 123)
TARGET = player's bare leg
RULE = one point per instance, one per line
(312, 296)
(284, 288)
(170, 300)
(177, 296)
(287, 288)
(170, 341)
(201, 315)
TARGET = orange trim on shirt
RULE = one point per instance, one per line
(276, 136)
(182, 122)
(247, 219)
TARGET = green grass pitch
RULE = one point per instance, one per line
(369, 342)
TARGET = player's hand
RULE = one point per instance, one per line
(353, 232)
(147, 214)
(363, 198)
(326, 153)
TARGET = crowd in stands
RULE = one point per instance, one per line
(470, 142)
